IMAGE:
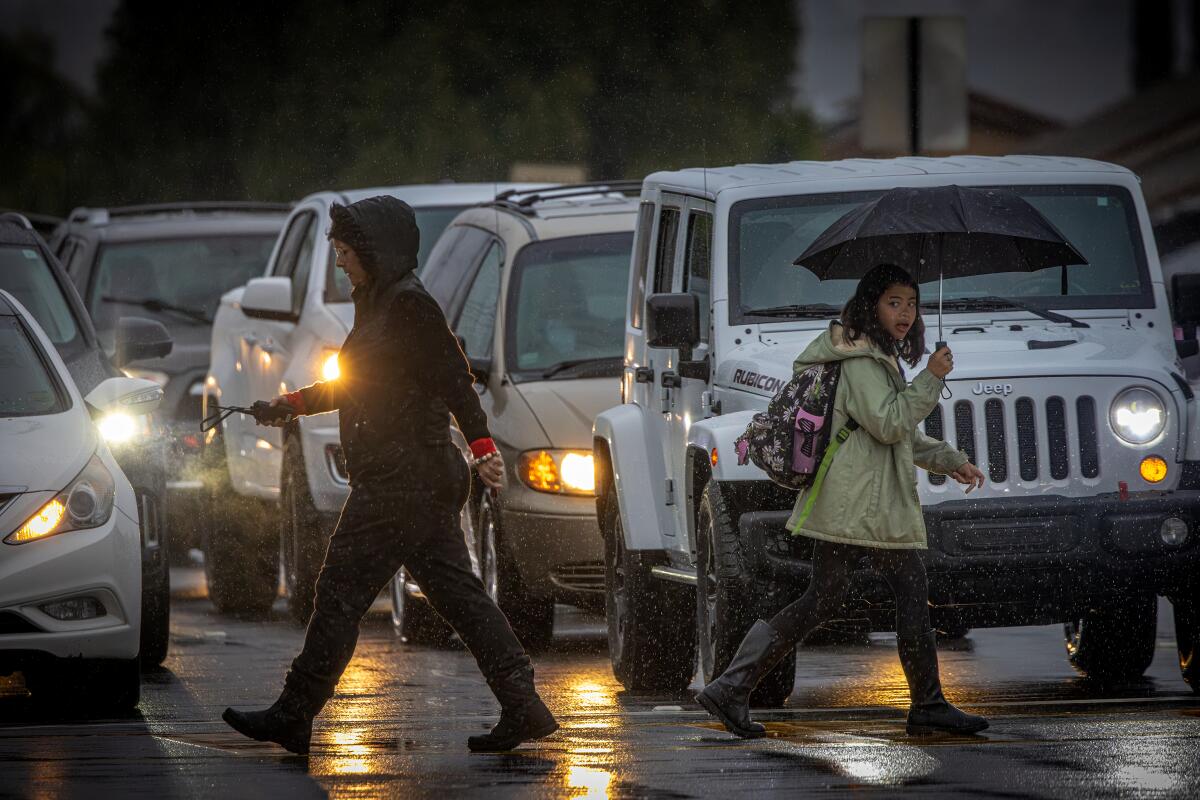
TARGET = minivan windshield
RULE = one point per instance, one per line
(176, 281)
(431, 221)
(767, 235)
(26, 386)
(566, 308)
(25, 274)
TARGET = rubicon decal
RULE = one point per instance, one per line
(756, 380)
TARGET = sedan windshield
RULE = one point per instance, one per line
(766, 236)
(26, 387)
(567, 307)
(177, 281)
(27, 276)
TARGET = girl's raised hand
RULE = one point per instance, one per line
(969, 475)
(941, 363)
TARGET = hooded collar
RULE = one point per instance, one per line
(387, 239)
(834, 346)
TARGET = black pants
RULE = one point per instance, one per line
(832, 564)
(411, 521)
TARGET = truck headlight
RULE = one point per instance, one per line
(86, 503)
(330, 371)
(1137, 416)
(558, 471)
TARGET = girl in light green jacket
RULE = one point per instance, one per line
(867, 505)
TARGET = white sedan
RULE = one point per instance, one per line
(70, 550)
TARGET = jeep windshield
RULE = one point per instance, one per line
(566, 308)
(767, 235)
(176, 281)
(431, 221)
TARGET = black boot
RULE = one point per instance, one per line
(930, 711)
(728, 697)
(288, 722)
(523, 715)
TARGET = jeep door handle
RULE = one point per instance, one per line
(671, 381)
(643, 375)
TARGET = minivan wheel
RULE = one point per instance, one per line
(413, 619)
(725, 600)
(489, 561)
(303, 536)
(531, 616)
(1114, 644)
(1187, 640)
(651, 622)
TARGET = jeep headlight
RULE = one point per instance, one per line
(86, 503)
(558, 471)
(1137, 416)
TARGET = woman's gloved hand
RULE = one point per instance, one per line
(273, 414)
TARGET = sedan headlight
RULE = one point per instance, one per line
(1137, 416)
(86, 503)
(558, 471)
(119, 428)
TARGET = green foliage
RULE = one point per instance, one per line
(271, 100)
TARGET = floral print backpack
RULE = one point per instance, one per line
(790, 441)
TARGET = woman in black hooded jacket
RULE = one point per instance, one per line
(402, 375)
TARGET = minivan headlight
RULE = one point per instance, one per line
(1137, 416)
(87, 502)
(558, 471)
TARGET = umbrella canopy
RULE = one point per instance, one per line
(953, 231)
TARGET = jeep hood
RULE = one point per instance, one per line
(567, 408)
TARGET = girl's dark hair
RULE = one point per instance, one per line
(860, 317)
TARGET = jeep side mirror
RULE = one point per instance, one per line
(480, 369)
(1185, 300)
(673, 321)
(139, 338)
(268, 298)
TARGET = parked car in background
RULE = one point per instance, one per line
(170, 262)
(70, 542)
(30, 273)
(278, 333)
(534, 286)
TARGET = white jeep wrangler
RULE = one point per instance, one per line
(1068, 394)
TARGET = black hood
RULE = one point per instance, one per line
(385, 238)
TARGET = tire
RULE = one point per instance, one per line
(651, 622)
(1114, 644)
(94, 685)
(156, 585)
(1187, 640)
(413, 619)
(303, 534)
(727, 602)
(531, 617)
(241, 546)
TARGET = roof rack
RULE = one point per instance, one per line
(101, 216)
(524, 200)
(17, 218)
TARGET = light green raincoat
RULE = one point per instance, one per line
(869, 495)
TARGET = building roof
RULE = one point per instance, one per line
(718, 179)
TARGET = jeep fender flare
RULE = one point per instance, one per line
(719, 434)
(632, 469)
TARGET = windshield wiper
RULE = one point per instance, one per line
(993, 303)
(816, 310)
(151, 304)
(563, 366)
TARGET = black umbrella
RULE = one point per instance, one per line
(956, 230)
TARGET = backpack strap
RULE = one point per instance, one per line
(830, 451)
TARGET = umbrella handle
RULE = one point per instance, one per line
(945, 393)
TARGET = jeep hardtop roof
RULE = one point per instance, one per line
(710, 182)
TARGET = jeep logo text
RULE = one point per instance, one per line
(992, 388)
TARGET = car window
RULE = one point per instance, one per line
(567, 303)
(448, 282)
(26, 386)
(302, 264)
(476, 324)
(176, 281)
(285, 262)
(637, 302)
(25, 274)
(698, 270)
(431, 221)
(664, 260)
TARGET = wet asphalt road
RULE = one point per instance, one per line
(398, 724)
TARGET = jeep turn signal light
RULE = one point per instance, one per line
(1153, 469)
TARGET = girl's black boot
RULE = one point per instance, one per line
(930, 711)
(728, 697)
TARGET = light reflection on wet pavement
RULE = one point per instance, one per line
(398, 725)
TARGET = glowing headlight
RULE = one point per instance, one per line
(558, 471)
(86, 503)
(1137, 416)
(117, 427)
(329, 366)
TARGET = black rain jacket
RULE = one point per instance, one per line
(402, 372)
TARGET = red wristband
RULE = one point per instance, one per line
(481, 447)
(296, 401)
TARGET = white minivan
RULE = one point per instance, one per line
(70, 544)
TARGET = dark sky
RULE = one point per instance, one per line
(77, 27)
